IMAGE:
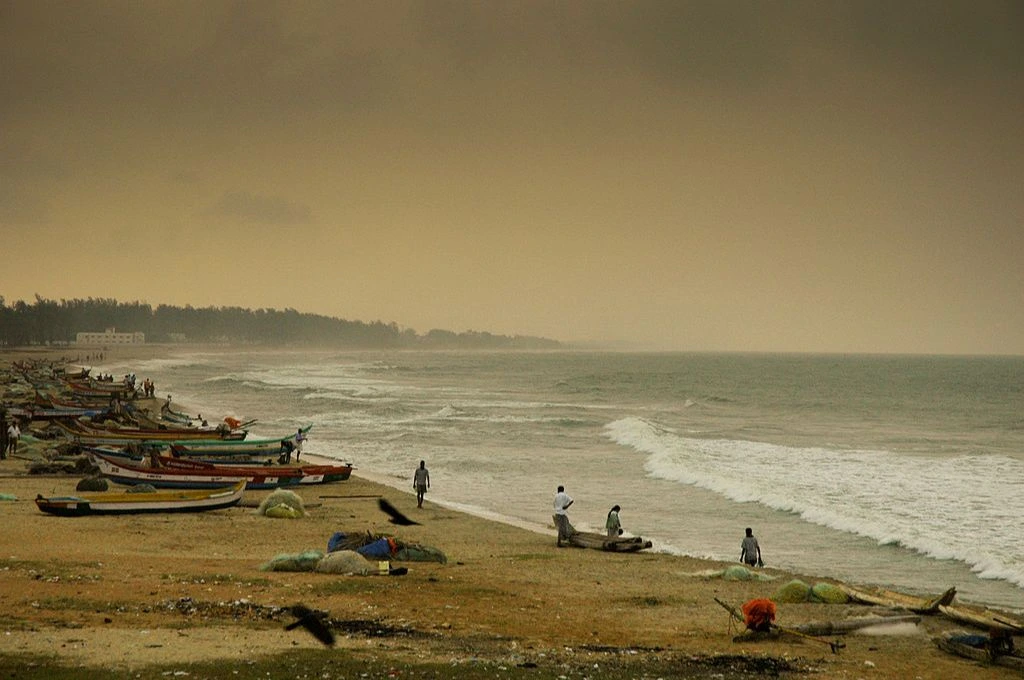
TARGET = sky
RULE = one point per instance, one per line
(721, 175)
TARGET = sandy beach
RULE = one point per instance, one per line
(159, 594)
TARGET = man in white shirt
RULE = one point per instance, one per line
(13, 435)
(562, 503)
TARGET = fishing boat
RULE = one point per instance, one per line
(595, 541)
(181, 474)
(127, 503)
(896, 600)
(986, 619)
(55, 412)
(211, 448)
(976, 647)
(92, 435)
(170, 472)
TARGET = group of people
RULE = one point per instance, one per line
(148, 388)
(289, 446)
(750, 550)
(612, 524)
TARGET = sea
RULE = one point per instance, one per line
(900, 471)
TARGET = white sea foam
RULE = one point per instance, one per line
(947, 508)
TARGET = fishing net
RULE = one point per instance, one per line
(350, 562)
(93, 484)
(282, 504)
(304, 561)
(794, 591)
(829, 594)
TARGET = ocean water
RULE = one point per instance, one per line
(903, 471)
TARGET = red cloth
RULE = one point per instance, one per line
(759, 614)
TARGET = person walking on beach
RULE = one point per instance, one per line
(612, 525)
(300, 437)
(562, 503)
(13, 435)
(421, 482)
(750, 550)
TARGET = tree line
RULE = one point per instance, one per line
(52, 322)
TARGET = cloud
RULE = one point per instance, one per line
(273, 210)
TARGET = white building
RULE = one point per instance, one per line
(110, 337)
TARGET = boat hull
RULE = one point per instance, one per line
(120, 503)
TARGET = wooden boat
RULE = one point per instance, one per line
(986, 619)
(595, 541)
(228, 447)
(55, 412)
(307, 474)
(897, 600)
(125, 503)
(195, 475)
(180, 473)
(956, 644)
(92, 435)
(215, 448)
(848, 625)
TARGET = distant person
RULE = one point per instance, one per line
(562, 503)
(300, 437)
(3, 433)
(750, 550)
(421, 482)
(13, 435)
(612, 525)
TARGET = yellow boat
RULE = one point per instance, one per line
(127, 503)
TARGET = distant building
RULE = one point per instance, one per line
(176, 337)
(110, 337)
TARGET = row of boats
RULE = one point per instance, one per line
(191, 465)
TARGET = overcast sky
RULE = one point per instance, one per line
(715, 175)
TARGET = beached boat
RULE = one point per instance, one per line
(980, 617)
(216, 448)
(84, 433)
(595, 541)
(306, 473)
(848, 625)
(195, 475)
(54, 412)
(126, 503)
(975, 647)
(896, 600)
(177, 473)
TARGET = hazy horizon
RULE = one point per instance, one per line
(839, 177)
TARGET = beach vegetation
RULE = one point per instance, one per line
(57, 323)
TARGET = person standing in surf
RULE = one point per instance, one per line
(612, 525)
(562, 503)
(750, 550)
(421, 482)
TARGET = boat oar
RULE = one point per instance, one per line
(836, 646)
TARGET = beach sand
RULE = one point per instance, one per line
(130, 592)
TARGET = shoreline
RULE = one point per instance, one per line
(104, 592)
